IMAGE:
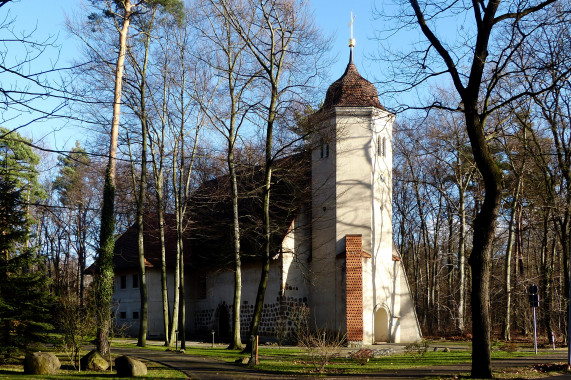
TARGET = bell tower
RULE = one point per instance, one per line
(356, 274)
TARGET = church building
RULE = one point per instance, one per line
(334, 250)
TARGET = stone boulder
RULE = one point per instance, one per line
(127, 366)
(41, 363)
(244, 361)
(93, 361)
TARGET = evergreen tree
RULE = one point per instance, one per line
(24, 294)
(71, 181)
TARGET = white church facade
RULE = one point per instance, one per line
(335, 254)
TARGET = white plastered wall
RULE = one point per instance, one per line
(352, 194)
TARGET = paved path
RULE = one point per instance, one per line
(196, 367)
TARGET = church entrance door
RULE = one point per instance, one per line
(381, 325)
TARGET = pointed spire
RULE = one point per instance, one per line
(351, 40)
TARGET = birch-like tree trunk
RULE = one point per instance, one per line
(104, 277)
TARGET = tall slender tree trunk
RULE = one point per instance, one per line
(158, 171)
(142, 340)
(164, 288)
(144, 307)
(449, 262)
(506, 328)
(546, 272)
(82, 252)
(236, 338)
(565, 241)
(175, 309)
(263, 284)
(103, 283)
(182, 313)
(461, 264)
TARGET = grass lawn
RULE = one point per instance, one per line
(294, 361)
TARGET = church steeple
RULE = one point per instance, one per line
(351, 90)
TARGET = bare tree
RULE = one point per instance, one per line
(231, 66)
(282, 40)
(186, 123)
(546, 61)
(475, 76)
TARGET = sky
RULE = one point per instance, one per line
(47, 18)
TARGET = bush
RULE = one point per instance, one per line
(362, 356)
(417, 349)
(509, 347)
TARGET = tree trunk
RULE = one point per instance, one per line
(258, 308)
(158, 171)
(484, 232)
(507, 320)
(449, 261)
(174, 317)
(236, 343)
(104, 276)
(461, 264)
(164, 288)
(82, 252)
(182, 313)
(545, 287)
(142, 341)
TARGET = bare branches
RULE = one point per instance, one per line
(524, 12)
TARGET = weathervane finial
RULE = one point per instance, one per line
(351, 40)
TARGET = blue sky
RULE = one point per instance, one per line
(332, 16)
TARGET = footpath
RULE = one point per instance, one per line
(198, 367)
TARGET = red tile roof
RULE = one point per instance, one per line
(351, 90)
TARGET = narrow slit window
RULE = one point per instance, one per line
(123, 282)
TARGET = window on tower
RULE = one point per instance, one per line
(381, 146)
(324, 150)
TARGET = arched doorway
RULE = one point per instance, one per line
(223, 322)
(381, 325)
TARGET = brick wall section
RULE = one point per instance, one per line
(354, 281)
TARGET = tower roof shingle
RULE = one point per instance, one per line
(351, 90)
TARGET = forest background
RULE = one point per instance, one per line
(172, 89)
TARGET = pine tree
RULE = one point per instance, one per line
(24, 293)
